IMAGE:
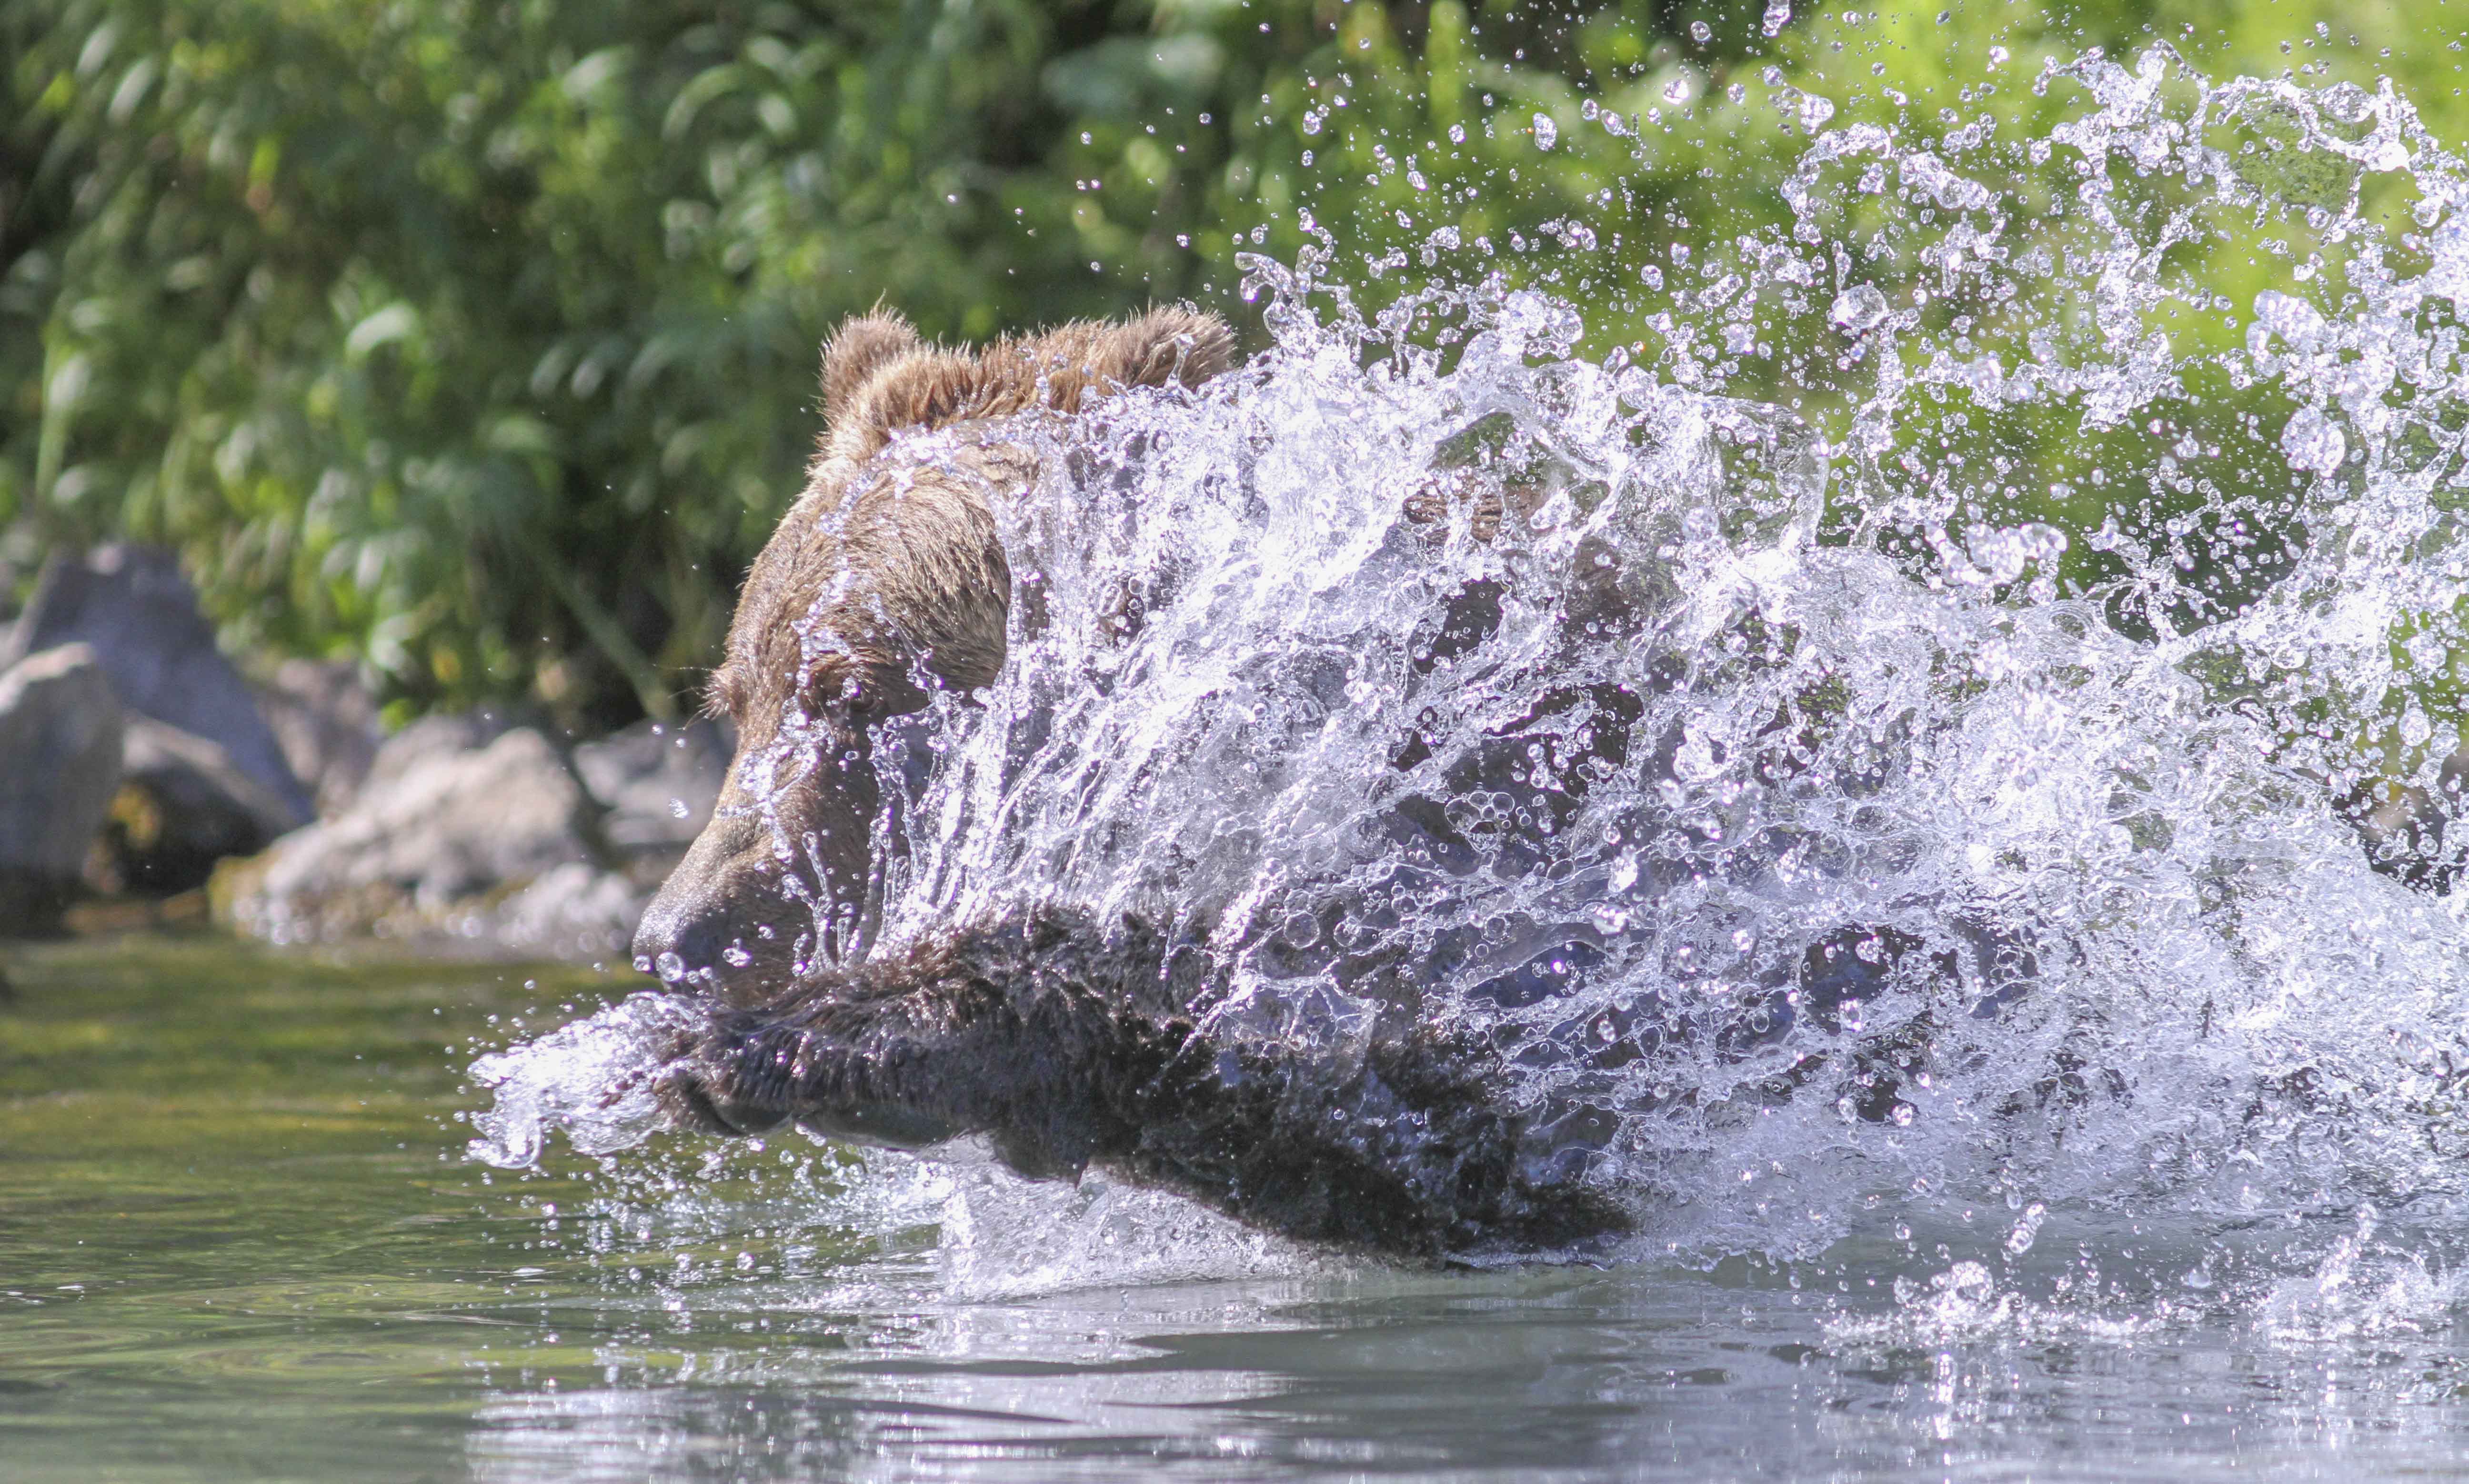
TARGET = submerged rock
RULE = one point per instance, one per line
(60, 730)
(131, 605)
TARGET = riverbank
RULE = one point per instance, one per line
(145, 780)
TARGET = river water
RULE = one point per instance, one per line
(1962, 579)
(238, 1238)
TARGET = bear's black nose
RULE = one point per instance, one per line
(673, 939)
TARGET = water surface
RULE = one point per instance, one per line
(238, 1238)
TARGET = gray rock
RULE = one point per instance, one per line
(183, 806)
(571, 911)
(432, 737)
(468, 830)
(659, 783)
(441, 841)
(61, 730)
(140, 616)
(452, 824)
(325, 721)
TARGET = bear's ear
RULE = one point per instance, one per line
(863, 345)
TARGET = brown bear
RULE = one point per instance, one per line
(885, 580)
(1063, 1039)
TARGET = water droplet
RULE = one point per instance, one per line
(2314, 442)
(1546, 132)
(1858, 308)
(2027, 1230)
(2346, 102)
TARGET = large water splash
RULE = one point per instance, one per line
(1809, 822)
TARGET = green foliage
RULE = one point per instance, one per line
(477, 340)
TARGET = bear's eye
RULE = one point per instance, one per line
(826, 687)
(836, 690)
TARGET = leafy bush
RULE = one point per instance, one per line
(476, 341)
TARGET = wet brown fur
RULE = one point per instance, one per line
(887, 580)
(1063, 1039)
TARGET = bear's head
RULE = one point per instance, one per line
(885, 583)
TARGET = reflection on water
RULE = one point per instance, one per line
(237, 1241)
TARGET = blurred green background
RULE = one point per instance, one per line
(476, 341)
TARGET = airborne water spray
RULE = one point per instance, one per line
(2079, 796)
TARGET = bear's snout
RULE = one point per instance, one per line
(774, 885)
(726, 913)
